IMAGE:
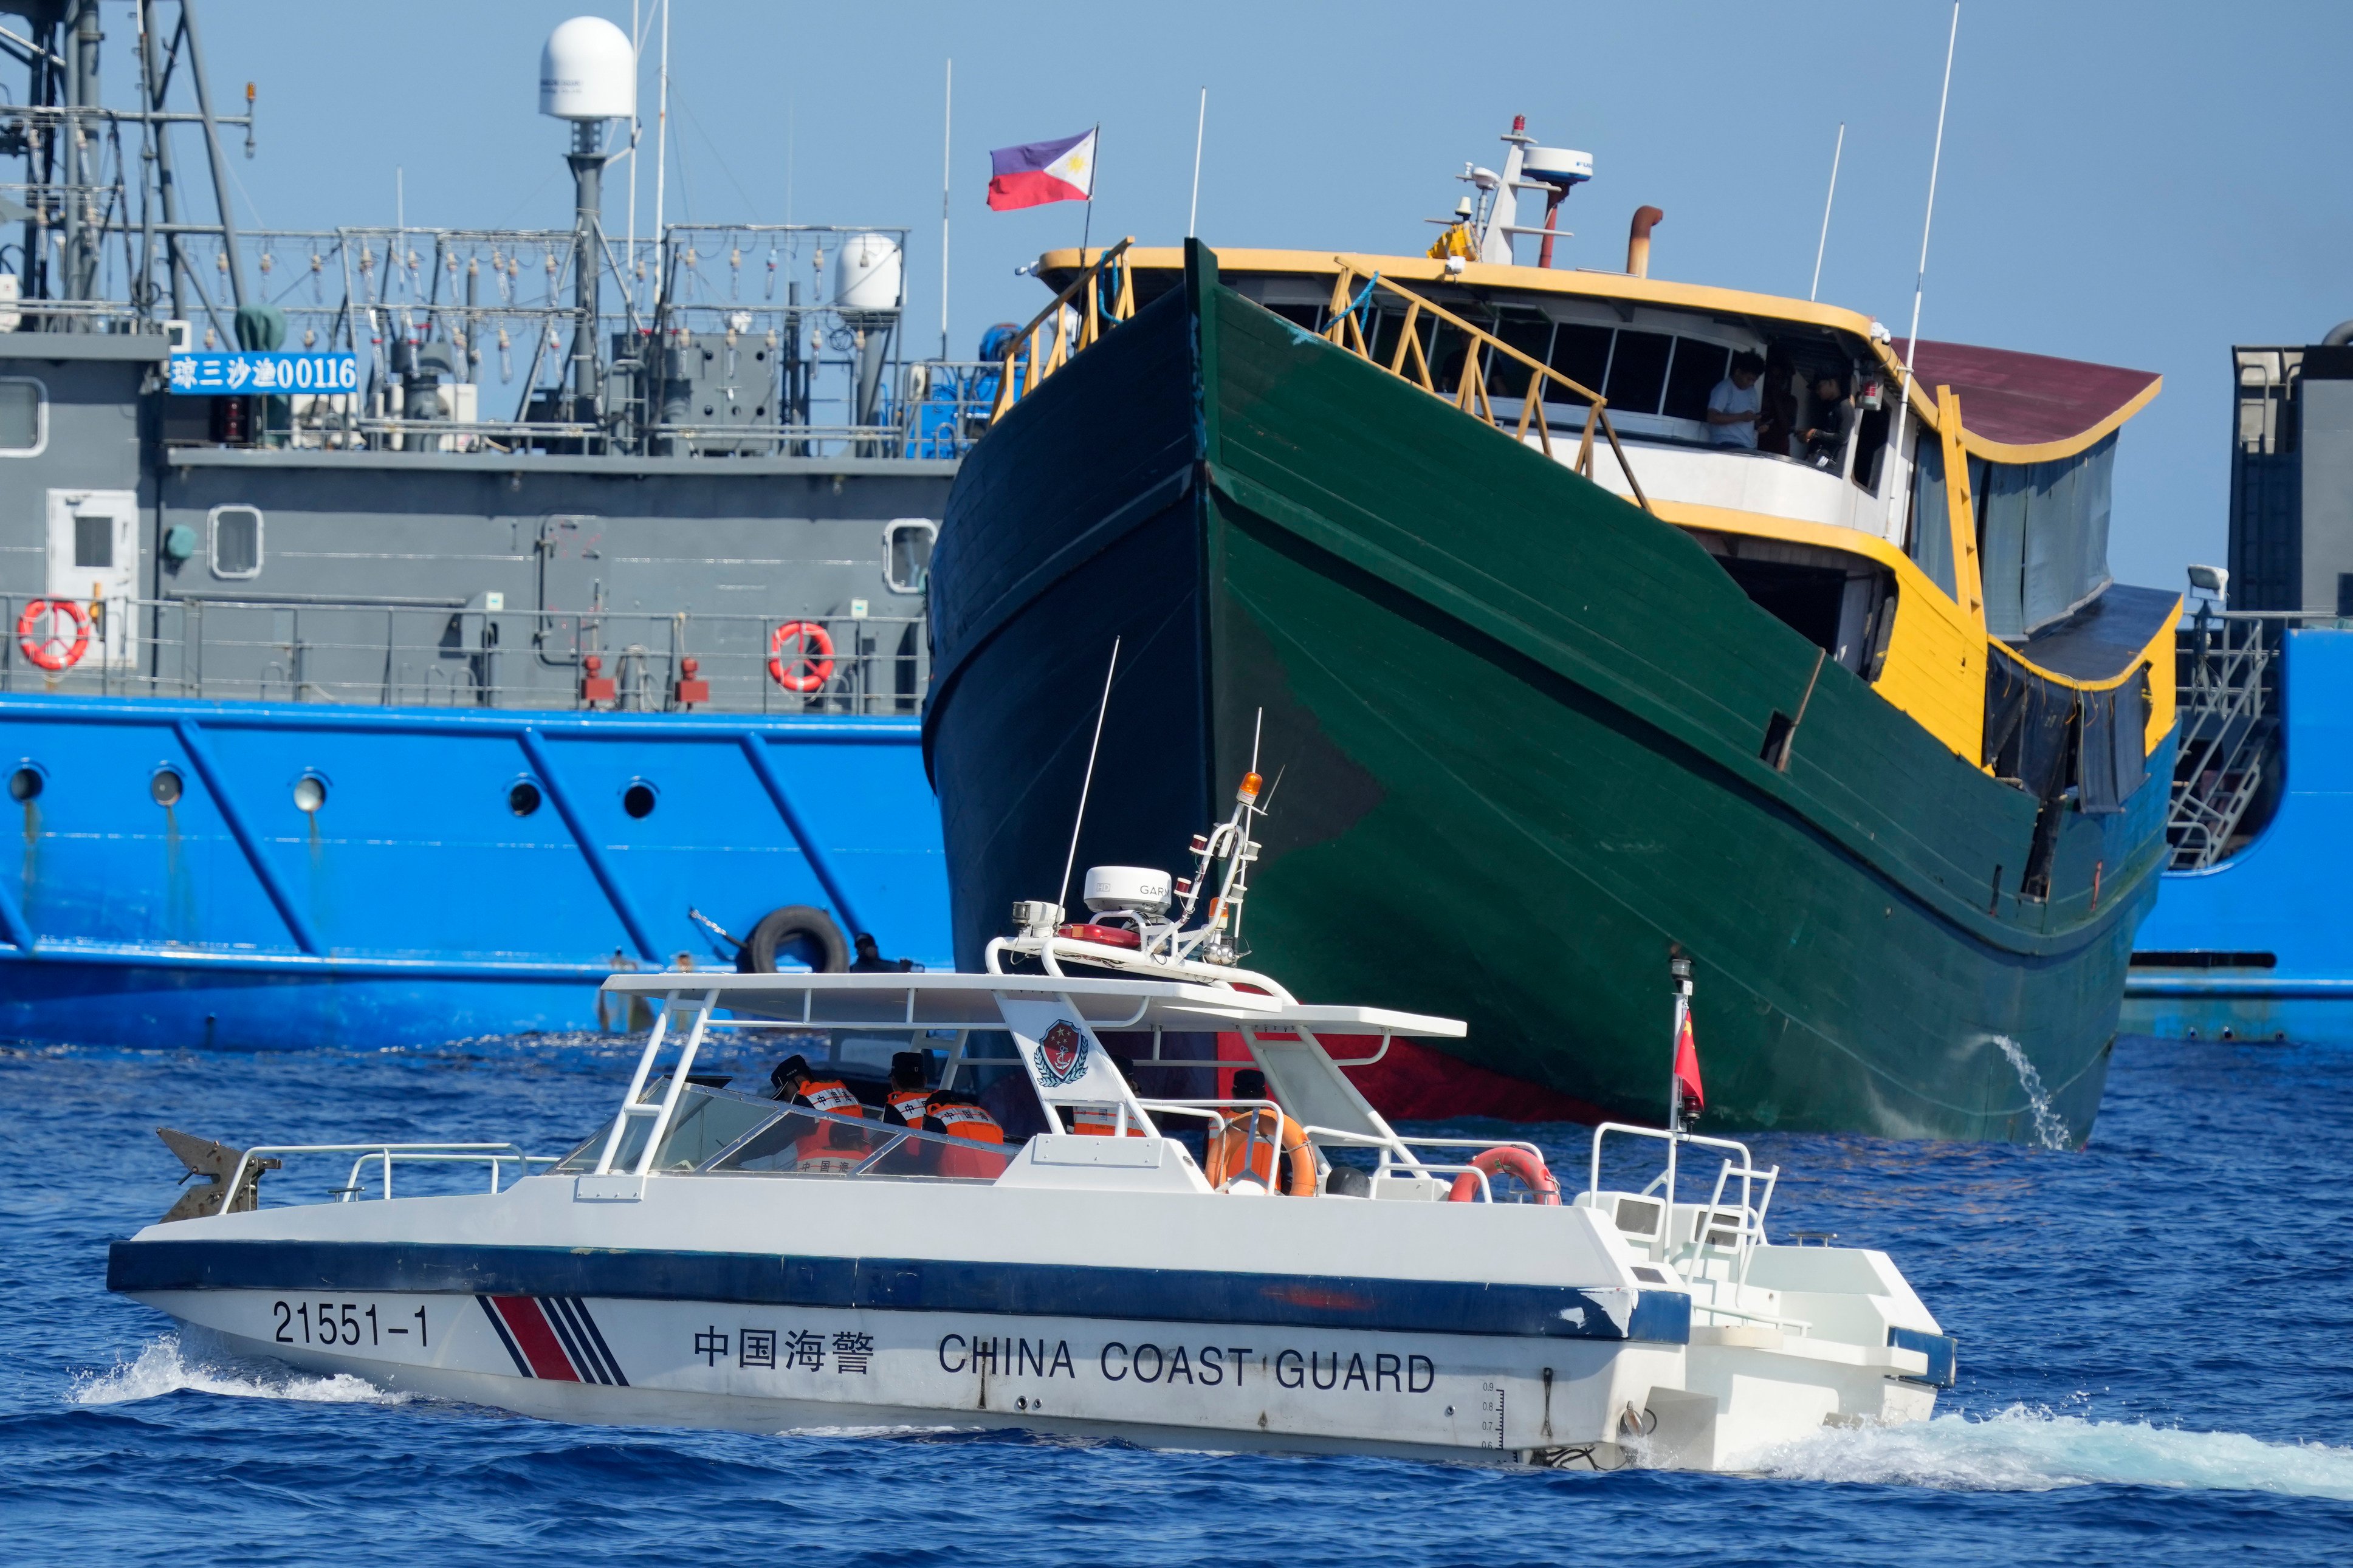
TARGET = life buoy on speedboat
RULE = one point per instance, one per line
(799, 930)
(809, 665)
(1234, 1153)
(38, 634)
(1527, 1167)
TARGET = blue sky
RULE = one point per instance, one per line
(2142, 185)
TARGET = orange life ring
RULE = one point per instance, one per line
(49, 651)
(811, 664)
(1519, 1162)
(1234, 1153)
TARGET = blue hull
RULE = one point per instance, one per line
(416, 904)
(2263, 941)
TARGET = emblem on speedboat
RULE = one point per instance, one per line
(1062, 1054)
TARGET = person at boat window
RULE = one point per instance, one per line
(906, 1092)
(793, 1081)
(869, 959)
(1101, 1120)
(1834, 417)
(955, 1114)
(828, 1145)
(1733, 405)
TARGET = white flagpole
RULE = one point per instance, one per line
(1193, 218)
(1087, 229)
(661, 147)
(1815, 292)
(1920, 279)
(947, 142)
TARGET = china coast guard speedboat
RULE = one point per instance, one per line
(1311, 1280)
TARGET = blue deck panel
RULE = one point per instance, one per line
(415, 906)
(2287, 894)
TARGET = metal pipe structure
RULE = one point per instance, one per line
(587, 160)
(213, 148)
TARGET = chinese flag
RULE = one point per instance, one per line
(1687, 1066)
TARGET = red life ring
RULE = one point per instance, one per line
(810, 665)
(47, 647)
(1519, 1162)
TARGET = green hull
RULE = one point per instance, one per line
(1517, 723)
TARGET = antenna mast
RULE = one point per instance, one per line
(1920, 279)
(1061, 898)
(1815, 292)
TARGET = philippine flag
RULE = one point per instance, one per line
(1041, 171)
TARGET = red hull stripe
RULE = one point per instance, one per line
(528, 1323)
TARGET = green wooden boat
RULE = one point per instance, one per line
(1547, 697)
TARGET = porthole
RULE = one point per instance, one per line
(165, 788)
(523, 798)
(24, 783)
(637, 800)
(310, 793)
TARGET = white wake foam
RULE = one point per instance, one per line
(2027, 1450)
(2049, 1127)
(161, 1367)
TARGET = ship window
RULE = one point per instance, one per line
(1507, 377)
(235, 540)
(907, 553)
(1698, 367)
(23, 417)
(93, 541)
(1637, 371)
(1581, 353)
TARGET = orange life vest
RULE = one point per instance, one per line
(909, 1104)
(828, 1146)
(968, 1122)
(1098, 1121)
(1234, 1151)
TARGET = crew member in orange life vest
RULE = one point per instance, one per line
(1098, 1121)
(906, 1092)
(793, 1083)
(959, 1115)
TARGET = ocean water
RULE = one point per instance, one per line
(2157, 1367)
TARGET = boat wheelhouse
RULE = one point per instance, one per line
(1856, 713)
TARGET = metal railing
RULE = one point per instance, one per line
(1480, 349)
(1106, 286)
(2226, 679)
(448, 652)
(494, 1155)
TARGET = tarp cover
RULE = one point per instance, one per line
(2026, 400)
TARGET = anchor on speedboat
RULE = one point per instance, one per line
(1276, 1267)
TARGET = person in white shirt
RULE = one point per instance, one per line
(1733, 407)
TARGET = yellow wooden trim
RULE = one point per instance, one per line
(1937, 655)
(1960, 511)
(1935, 663)
(1619, 288)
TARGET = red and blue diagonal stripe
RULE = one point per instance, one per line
(1028, 175)
(552, 1337)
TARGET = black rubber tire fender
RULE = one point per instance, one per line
(795, 923)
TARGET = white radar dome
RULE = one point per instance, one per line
(866, 273)
(1556, 166)
(1128, 890)
(588, 71)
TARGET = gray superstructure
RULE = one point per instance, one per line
(562, 446)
